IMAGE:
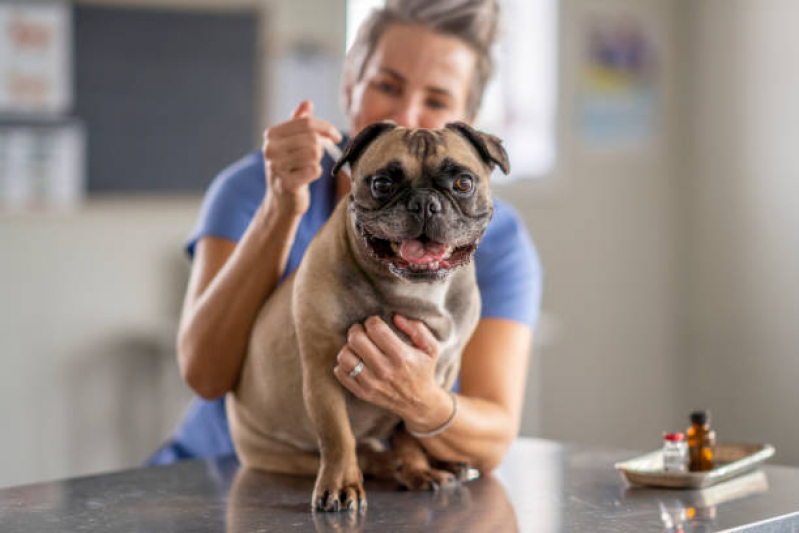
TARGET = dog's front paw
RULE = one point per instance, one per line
(462, 471)
(339, 491)
(419, 478)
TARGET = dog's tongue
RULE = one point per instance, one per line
(417, 252)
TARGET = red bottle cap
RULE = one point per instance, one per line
(674, 437)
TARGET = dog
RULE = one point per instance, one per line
(401, 242)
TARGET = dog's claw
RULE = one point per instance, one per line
(349, 498)
(321, 501)
(426, 479)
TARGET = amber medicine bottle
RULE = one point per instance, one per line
(701, 442)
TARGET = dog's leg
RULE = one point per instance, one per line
(339, 483)
(460, 470)
(376, 463)
(413, 467)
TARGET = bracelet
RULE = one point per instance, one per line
(431, 433)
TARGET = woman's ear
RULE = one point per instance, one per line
(347, 87)
(346, 97)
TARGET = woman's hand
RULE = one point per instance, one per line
(292, 155)
(396, 376)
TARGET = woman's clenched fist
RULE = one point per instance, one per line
(292, 155)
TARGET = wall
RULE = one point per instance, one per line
(90, 299)
(744, 247)
(606, 226)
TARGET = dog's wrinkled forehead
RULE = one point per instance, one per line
(418, 150)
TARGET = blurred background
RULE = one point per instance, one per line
(655, 165)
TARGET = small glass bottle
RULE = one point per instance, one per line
(701, 442)
(675, 453)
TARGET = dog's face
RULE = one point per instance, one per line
(420, 198)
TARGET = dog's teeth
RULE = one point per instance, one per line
(433, 265)
(394, 247)
(448, 252)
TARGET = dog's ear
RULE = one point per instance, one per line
(360, 142)
(488, 146)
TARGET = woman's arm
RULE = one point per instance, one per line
(230, 281)
(491, 396)
(228, 285)
(400, 378)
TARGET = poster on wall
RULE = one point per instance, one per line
(618, 81)
(35, 58)
(42, 166)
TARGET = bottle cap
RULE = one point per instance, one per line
(673, 437)
(700, 417)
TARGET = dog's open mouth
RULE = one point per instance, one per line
(421, 257)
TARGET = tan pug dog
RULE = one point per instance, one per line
(401, 242)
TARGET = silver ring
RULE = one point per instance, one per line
(357, 369)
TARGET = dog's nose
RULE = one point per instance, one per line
(430, 204)
(433, 205)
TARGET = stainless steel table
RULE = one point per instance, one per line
(541, 486)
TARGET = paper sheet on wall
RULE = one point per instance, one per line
(42, 166)
(618, 83)
(35, 58)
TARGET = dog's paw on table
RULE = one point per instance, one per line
(338, 493)
(461, 470)
(421, 478)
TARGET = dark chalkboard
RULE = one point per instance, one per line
(168, 97)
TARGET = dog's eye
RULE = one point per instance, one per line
(381, 185)
(463, 183)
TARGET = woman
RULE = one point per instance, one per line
(420, 64)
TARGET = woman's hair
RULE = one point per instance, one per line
(472, 21)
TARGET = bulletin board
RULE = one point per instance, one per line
(167, 97)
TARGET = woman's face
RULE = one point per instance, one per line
(417, 78)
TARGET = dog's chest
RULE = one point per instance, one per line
(429, 303)
(449, 309)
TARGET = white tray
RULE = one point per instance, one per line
(732, 460)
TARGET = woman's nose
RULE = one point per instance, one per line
(406, 113)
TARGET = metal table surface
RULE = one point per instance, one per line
(541, 486)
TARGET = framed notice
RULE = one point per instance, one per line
(35, 58)
(42, 165)
(618, 96)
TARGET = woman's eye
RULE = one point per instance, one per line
(463, 183)
(386, 87)
(436, 104)
(381, 185)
